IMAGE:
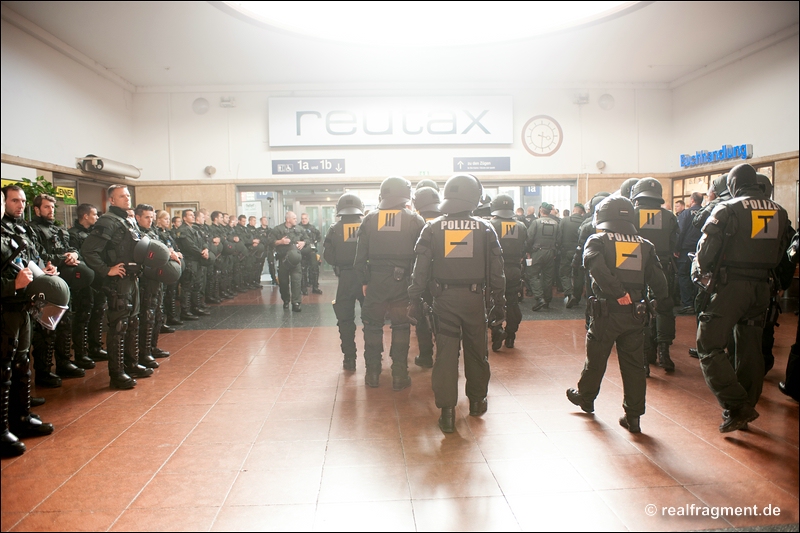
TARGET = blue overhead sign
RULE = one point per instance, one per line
(532, 190)
(482, 164)
(726, 153)
(307, 166)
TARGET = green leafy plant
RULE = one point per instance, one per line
(34, 188)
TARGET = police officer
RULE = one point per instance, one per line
(340, 252)
(460, 257)
(223, 266)
(195, 250)
(586, 230)
(384, 258)
(512, 234)
(572, 283)
(660, 227)
(288, 241)
(262, 232)
(543, 237)
(109, 251)
(168, 292)
(745, 237)
(54, 246)
(90, 303)
(426, 202)
(15, 382)
(621, 265)
(311, 259)
(626, 188)
(790, 386)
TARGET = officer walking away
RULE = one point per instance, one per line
(109, 251)
(572, 282)
(742, 240)
(790, 386)
(459, 256)
(17, 289)
(311, 258)
(340, 252)
(621, 265)
(512, 235)
(384, 258)
(289, 241)
(687, 243)
(543, 237)
(660, 227)
(426, 202)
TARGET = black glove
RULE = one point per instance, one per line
(496, 316)
(414, 311)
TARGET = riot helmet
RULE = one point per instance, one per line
(395, 191)
(349, 204)
(293, 256)
(427, 183)
(596, 199)
(764, 184)
(462, 193)
(742, 177)
(150, 252)
(627, 186)
(240, 249)
(720, 186)
(168, 274)
(503, 206)
(77, 277)
(49, 296)
(647, 188)
(484, 208)
(426, 200)
(616, 214)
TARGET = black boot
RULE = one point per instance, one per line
(145, 340)
(664, 360)
(116, 364)
(64, 367)
(198, 309)
(43, 362)
(81, 341)
(498, 336)
(131, 358)
(186, 306)
(510, 338)
(349, 362)
(10, 445)
(95, 333)
(21, 421)
(155, 351)
(424, 360)
(631, 423)
(447, 421)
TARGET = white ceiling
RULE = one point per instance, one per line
(155, 45)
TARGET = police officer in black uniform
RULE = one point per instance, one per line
(195, 250)
(585, 231)
(426, 202)
(572, 282)
(660, 227)
(460, 257)
(109, 251)
(512, 234)
(90, 303)
(18, 250)
(746, 237)
(340, 252)
(311, 259)
(384, 258)
(622, 265)
(543, 238)
(289, 241)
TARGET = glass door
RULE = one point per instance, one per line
(323, 217)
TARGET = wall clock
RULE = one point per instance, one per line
(542, 136)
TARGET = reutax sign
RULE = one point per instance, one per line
(385, 121)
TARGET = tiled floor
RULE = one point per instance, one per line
(251, 427)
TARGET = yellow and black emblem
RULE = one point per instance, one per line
(458, 243)
(389, 220)
(509, 230)
(350, 231)
(629, 255)
(764, 225)
(651, 219)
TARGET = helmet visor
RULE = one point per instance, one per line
(49, 315)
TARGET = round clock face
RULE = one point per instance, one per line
(542, 136)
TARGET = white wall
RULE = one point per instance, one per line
(752, 101)
(55, 110)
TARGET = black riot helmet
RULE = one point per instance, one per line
(484, 208)
(77, 277)
(627, 186)
(49, 296)
(462, 192)
(720, 186)
(426, 200)
(395, 191)
(742, 177)
(764, 184)
(293, 256)
(647, 188)
(596, 199)
(349, 204)
(150, 252)
(616, 214)
(169, 273)
(427, 183)
(503, 206)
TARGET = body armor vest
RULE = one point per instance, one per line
(656, 225)
(624, 255)
(55, 240)
(511, 234)
(78, 234)
(569, 231)
(756, 243)
(10, 245)
(343, 235)
(123, 238)
(459, 247)
(389, 232)
(545, 233)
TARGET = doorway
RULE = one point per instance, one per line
(323, 216)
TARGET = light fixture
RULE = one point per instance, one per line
(601, 165)
(606, 102)
(227, 101)
(200, 106)
(210, 171)
(102, 165)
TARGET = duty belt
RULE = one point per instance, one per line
(473, 287)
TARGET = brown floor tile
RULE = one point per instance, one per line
(622, 472)
(307, 394)
(364, 452)
(365, 428)
(8, 520)
(300, 410)
(42, 463)
(207, 458)
(144, 436)
(343, 410)
(342, 484)
(279, 486)
(441, 449)
(83, 437)
(312, 429)
(502, 424)
(25, 494)
(180, 519)
(168, 413)
(167, 490)
(428, 426)
(365, 516)
(96, 520)
(512, 447)
(269, 455)
(451, 480)
(119, 461)
(578, 511)
(261, 397)
(760, 499)
(106, 493)
(465, 514)
(265, 518)
(535, 476)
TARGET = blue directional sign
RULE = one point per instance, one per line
(482, 164)
(307, 166)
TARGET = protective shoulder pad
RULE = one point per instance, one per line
(594, 246)
(104, 227)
